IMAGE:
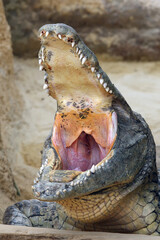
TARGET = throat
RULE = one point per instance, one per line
(83, 138)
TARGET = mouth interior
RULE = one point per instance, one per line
(82, 143)
(83, 153)
(83, 133)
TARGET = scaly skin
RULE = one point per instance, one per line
(120, 192)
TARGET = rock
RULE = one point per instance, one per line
(8, 109)
(127, 30)
(6, 70)
(28, 233)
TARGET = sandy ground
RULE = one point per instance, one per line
(138, 82)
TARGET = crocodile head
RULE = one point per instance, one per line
(97, 143)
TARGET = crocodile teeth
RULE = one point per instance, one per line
(81, 56)
(101, 81)
(40, 34)
(64, 190)
(92, 169)
(102, 164)
(88, 173)
(96, 167)
(98, 75)
(83, 60)
(72, 183)
(107, 89)
(41, 68)
(92, 69)
(46, 33)
(77, 49)
(73, 43)
(57, 193)
(45, 86)
(40, 61)
(46, 162)
(59, 36)
(110, 91)
(105, 85)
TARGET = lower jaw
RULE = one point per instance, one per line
(83, 142)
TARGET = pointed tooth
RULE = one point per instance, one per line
(73, 43)
(72, 183)
(40, 34)
(96, 167)
(64, 190)
(81, 56)
(59, 36)
(79, 52)
(35, 181)
(102, 164)
(98, 75)
(41, 68)
(40, 60)
(88, 173)
(101, 81)
(42, 52)
(77, 49)
(46, 162)
(46, 34)
(110, 91)
(107, 89)
(83, 60)
(92, 169)
(92, 69)
(42, 57)
(33, 187)
(105, 85)
(57, 193)
(45, 86)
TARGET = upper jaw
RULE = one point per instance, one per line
(51, 32)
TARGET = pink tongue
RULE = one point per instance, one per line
(83, 153)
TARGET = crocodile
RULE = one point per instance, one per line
(98, 169)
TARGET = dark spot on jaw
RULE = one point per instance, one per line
(68, 103)
(70, 39)
(49, 55)
(82, 116)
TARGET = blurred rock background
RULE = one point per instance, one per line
(115, 30)
(125, 29)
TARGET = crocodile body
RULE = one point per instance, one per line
(98, 168)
